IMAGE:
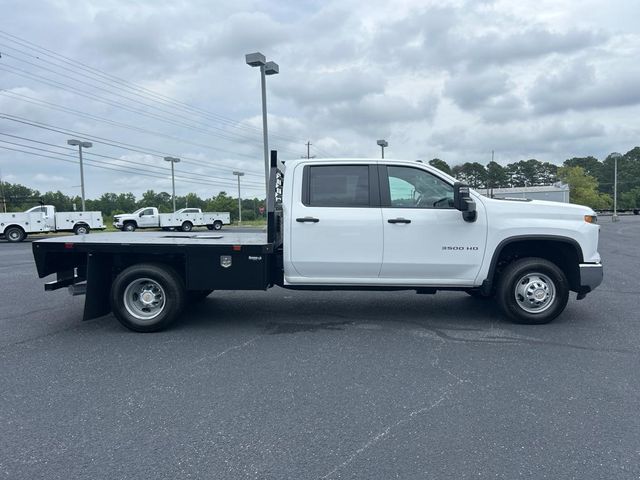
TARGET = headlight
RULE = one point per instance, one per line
(591, 218)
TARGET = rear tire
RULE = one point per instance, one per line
(147, 297)
(186, 226)
(217, 225)
(81, 229)
(14, 234)
(532, 291)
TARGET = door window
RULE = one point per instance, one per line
(148, 211)
(415, 188)
(337, 186)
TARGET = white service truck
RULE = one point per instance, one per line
(184, 219)
(345, 224)
(41, 219)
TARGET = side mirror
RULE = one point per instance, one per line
(141, 214)
(462, 201)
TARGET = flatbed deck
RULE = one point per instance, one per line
(164, 238)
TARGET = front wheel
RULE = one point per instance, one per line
(129, 227)
(186, 226)
(147, 297)
(533, 291)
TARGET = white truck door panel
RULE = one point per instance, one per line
(149, 218)
(425, 239)
(335, 224)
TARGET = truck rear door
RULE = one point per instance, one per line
(335, 225)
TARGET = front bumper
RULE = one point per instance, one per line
(118, 224)
(590, 276)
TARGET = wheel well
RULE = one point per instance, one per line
(13, 226)
(177, 262)
(566, 254)
(130, 221)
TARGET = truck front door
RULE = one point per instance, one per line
(335, 225)
(426, 240)
(149, 218)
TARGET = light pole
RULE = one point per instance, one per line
(266, 68)
(615, 156)
(239, 174)
(173, 160)
(80, 144)
(383, 143)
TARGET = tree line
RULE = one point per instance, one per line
(19, 198)
(590, 180)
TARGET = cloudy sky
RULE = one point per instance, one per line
(542, 79)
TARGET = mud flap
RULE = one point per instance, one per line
(96, 303)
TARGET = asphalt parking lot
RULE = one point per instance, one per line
(323, 385)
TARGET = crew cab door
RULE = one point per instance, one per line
(335, 225)
(426, 240)
(149, 218)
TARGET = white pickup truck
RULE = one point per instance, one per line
(184, 219)
(345, 224)
(41, 219)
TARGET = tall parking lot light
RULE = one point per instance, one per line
(615, 156)
(239, 174)
(173, 160)
(382, 143)
(266, 68)
(80, 144)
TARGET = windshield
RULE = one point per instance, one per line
(138, 211)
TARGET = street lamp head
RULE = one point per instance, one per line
(80, 143)
(255, 59)
(383, 143)
(172, 159)
(271, 68)
(239, 174)
(616, 155)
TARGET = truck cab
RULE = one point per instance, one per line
(145, 217)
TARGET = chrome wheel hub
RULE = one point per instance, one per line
(144, 299)
(535, 292)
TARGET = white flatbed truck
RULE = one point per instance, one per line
(345, 224)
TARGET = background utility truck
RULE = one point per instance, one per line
(345, 224)
(184, 219)
(41, 219)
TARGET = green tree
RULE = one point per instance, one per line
(583, 188)
(472, 173)
(440, 165)
(496, 176)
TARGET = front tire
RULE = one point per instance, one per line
(14, 234)
(532, 291)
(186, 226)
(129, 227)
(147, 297)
